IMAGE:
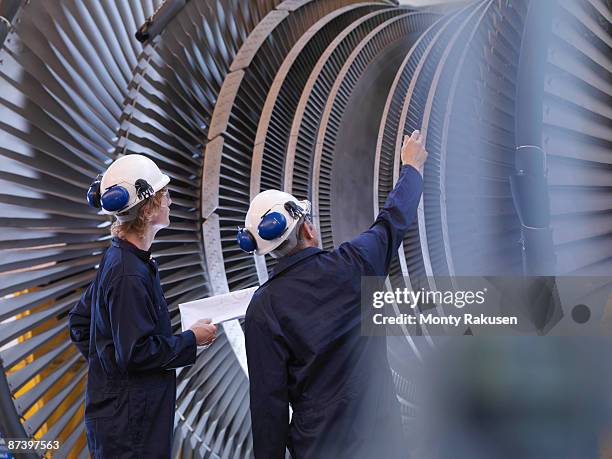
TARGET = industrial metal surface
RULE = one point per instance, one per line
(313, 97)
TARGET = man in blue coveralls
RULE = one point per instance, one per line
(121, 324)
(302, 329)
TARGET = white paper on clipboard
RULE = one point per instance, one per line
(218, 308)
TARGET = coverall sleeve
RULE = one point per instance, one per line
(79, 319)
(376, 246)
(267, 358)
(133, 318)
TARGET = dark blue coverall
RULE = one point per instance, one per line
(122, 327)
(304, 347)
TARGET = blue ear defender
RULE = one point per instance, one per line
(246, 241)
(93, 193)
(272, 225)
(115, 198)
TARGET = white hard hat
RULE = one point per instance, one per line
(271, 218)
(128, 181)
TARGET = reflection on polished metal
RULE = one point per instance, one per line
(310, 96)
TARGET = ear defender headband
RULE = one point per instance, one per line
(271, 226)
(115, 197)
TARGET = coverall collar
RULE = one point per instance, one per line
(144, 255)
(287, 262)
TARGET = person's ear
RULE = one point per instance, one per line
(308, 230)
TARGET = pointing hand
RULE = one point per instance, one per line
(413, 151)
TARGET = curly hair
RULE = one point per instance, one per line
(148, 208)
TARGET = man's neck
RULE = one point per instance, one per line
(143, 243)
(302, 246)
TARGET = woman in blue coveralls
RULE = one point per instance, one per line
(121, 323)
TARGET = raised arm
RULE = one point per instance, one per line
(375, 247)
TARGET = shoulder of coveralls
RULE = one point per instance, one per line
(258, 305)
(121, 263)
